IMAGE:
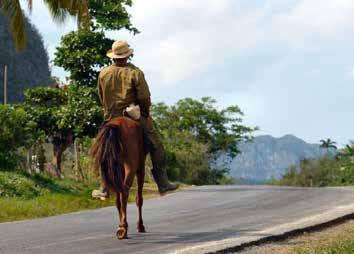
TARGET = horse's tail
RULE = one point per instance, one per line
(105, 153)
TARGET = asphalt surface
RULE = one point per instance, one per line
(197, 220)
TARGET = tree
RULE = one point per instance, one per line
(221, 129)
(43, 106)
(83, 53)
(195, 133)
(59, 9)
(64, 115)
(328, 144)
(82, 115)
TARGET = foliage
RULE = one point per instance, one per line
(111, 14)
(326, 171)
(194, 132)
(43, 105)
(221, 129)
(26, 69)
(23, 185)
(82, 115)
(328, 143)
(24, 196)
(58, 8)
(73, 110)
(82, 53)
(16, 130)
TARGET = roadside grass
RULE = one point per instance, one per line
(338, 239)
(24, 196)
(343, 243)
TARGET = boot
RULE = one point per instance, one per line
(100, 194)
(160, 177)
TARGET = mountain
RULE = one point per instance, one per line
(26, 69)
(268, 157)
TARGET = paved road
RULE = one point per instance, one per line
(197, 220)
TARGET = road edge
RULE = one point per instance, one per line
(315, 222)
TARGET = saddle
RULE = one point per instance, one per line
(133, 112)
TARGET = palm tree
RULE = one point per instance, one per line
(328, 143)
(59, 10)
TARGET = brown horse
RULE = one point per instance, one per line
(118, 151)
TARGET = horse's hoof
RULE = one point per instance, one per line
(141, 229)
(122, 233)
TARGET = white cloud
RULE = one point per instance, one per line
(315, 20)
(282, 61)
(184, 38)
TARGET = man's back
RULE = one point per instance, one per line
(120, 86)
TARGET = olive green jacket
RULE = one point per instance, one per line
(120, 86)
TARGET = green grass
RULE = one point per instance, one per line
(343, 243)
(24, 196)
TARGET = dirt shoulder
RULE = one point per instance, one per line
(337, 239)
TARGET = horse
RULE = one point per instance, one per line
(118, 151)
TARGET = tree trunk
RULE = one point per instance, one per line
(41, 157)
(60, 144)
(57, 155)
(29, 160)
(78, 169)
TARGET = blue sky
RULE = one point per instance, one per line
(289, 64)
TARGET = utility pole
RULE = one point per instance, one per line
(5, 85)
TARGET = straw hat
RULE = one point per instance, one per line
(120, 49)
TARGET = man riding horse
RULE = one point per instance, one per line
(119, 86)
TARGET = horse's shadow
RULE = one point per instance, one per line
(170, 238)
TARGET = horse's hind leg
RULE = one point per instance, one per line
(139, 199)
(122, 232)
(119, 206)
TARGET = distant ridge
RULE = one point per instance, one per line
(26, 69)
(269, 157)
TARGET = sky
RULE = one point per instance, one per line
(288, 64)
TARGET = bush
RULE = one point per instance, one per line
(326, 171)
(15, 131)
(23, 185)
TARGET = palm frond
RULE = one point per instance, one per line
(30, 5)
(12, 9)
(57, 11)
(60, 9)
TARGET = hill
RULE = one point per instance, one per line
(26, 69)
(268, 157)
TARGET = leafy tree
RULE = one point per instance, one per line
(82, 114)
(111, 14)
(64, 115)
(43, 106)
(221, 129)
(82, 54)
(58, 8)
(194, 133)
